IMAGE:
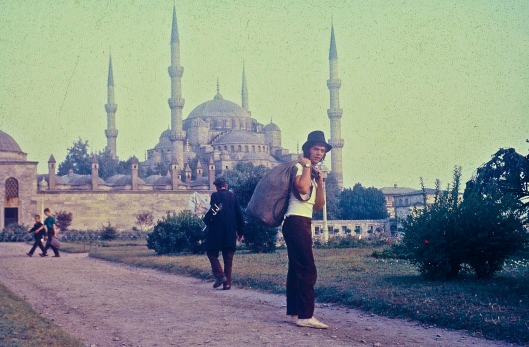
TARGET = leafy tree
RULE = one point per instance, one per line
(362, 203)
(77, 159)
(64, 219)
(507, 172)
(242, 181)
(108, 166)
(160, 168)
(332, 202)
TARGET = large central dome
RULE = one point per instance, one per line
(218, 107)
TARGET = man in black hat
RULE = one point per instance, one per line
(225, 225)
(297, 232)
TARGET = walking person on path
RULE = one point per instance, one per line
(302, 274)
(225, 226)
(50, 224)
(38, 231)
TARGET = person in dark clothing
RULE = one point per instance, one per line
(50, 224)
(225, 226)
(38, 231)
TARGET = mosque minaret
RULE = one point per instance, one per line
(111, 132)
(244, 92)
(176, 103)
(335, 113)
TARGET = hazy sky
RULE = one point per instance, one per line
(426, 85)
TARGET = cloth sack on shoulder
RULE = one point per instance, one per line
(269, 201)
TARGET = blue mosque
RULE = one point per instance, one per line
(221, 131)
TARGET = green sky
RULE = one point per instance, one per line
(425, 86)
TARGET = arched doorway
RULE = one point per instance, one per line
(11, 202)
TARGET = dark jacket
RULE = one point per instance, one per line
(226, 224)
(41, 233)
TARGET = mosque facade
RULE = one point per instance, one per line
(221, 130)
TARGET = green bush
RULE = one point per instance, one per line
(15, 233)
(494, 232)
(259, 238)
(109, 232)
(482, 231)
(177, 233)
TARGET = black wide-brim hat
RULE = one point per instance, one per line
(316, 137)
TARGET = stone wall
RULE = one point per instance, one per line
(92, 209)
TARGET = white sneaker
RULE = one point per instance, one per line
(311, 323)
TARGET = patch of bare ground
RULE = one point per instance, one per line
(107, 304)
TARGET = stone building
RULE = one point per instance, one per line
(18, 186)
(389, 196)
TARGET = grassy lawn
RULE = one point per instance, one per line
(496, 308)
(21, 326)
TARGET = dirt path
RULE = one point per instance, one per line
(106, 304)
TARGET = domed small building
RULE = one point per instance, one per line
(17, 184)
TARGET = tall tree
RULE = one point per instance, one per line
(507, 171)
(108, 165)
(77, 159)
(362, 203)
(243, 179)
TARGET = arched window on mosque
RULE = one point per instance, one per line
(225, 148)
(240, 148)
(11, 202)
(11, 189)
(232, 148)
(219, 148)
(246, 149)
(253, 149)
(259, 149)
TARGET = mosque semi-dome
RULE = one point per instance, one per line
(271, 127)
(165, 139)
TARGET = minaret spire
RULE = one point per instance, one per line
(176, 102)
(244, 91)
(335, 112)
(218, 96)
(111, 132)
